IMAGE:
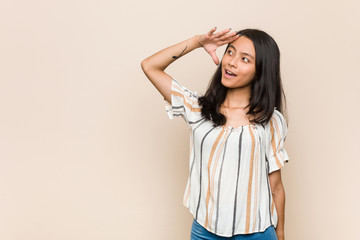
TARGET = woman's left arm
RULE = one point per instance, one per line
(278, 194)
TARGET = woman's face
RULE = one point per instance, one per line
(238, 64)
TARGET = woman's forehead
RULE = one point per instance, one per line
(243, 44)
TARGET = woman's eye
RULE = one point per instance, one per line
(245, 59)
(230, 52)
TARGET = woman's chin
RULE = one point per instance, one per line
(226, 83)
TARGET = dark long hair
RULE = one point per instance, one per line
(266, 87)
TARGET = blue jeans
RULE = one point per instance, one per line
(198, 232)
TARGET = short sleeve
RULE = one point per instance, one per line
(276, 134)
(184, 103)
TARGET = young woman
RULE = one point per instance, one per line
(234, 189)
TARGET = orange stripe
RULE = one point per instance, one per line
(273, 143)
(178, 88)
(256, 187)
(185, 102)
(209, 165)
(278, 134)
(182, 92)
(277, 131)
(213, 176)
(248, 207)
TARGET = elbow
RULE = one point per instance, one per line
(278, 189)
(144, 65)
(276, 183)
(147, 67)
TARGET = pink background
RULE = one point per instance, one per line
(88, 152)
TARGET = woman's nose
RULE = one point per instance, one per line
(233, 63)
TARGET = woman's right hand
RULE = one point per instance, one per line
(210, 41)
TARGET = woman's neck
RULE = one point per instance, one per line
(237, 97)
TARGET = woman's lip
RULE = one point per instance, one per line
(228, 75)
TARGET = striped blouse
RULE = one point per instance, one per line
(228, 190)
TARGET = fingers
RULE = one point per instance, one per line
(212, 31)
(215, 58)
(219, 34)
(229, 39)
(222, 33)
(227, 36)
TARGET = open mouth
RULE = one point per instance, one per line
(229, 74)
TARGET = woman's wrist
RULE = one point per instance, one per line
(196, 40)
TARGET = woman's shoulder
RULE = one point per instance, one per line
(277, 123)
(277, 114)
(277, 118)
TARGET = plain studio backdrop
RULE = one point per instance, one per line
(87, 150)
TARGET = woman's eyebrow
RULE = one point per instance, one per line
(247, 54)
